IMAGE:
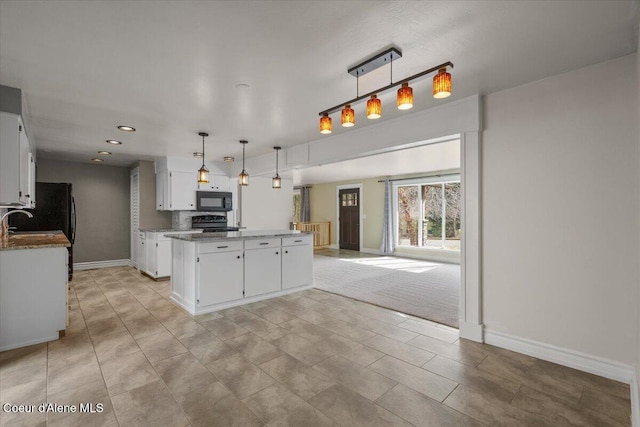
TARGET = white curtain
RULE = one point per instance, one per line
(387, 245)
(305, 207)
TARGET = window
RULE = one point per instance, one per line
(428, 214)
(297, 203)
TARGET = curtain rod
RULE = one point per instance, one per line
(419, 177)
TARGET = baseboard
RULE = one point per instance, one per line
(101, 264)
(563, 356)
(370, 251)
(635, 399)
(470, 331)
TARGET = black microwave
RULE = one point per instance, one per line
(213, 201)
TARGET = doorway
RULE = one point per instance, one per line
(349, 207)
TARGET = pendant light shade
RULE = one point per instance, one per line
(325, 124)
(203, 172)
(405, 97)
(243, 178)
(348, 116)
(276, 181)
(374, 108)
(442, 84)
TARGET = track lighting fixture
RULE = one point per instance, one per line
(203, 172)
(441, 89)
(276, 181)
(243, 178)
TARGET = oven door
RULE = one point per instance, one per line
(213, 201)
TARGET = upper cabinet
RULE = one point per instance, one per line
(17, 152)
(216, 183)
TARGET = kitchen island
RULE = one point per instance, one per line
(213, 271)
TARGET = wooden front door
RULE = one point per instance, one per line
(349, 200)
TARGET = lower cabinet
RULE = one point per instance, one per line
(142, 254)
(157, 262)
(220, 277)
(297, 261)
(262, 273)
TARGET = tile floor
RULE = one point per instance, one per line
(306, 359)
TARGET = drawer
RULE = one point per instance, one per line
(235, 245)
(261, 243)
(303, 239)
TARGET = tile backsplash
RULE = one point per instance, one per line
(181, 220)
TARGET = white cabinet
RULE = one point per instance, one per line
(15, 163)
(216, 183)
(219, 273)
(141, 254)
(176, 190)
(32, 181)
(297, 261)
(158, 252)
(262, 271)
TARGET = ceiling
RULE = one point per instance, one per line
(170, 69)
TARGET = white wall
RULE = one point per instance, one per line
(560, 211)
(264, 208)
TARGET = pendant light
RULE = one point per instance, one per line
(203, 172)
(374, 108)
(405, 97)
(276, 181)
(348, 116)
(244, 176)
(325, 124)
(442, 84)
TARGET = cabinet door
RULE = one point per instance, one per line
(221, 182)
(151, 256)
(262, 271)
(219, 277)
(182, 191)
(23, 166)
(297, 266)
(142, 256)
(161, 184)
(163, 258)
(32, 181)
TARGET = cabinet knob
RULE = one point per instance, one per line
(277, 253)
(286, 252)
(238, 257)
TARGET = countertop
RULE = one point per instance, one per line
(35, 240)
(236, 235)
(169, 230)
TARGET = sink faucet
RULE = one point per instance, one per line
(4, 226)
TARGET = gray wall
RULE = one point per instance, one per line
(102, 203)
(149, 216)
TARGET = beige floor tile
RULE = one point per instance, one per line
(304, 381)
(85, 369)
(399, 350)
(348, 408)
(468, 375)
(305, 351)
(23, 365)
(351, 350)
(424, 327)
(115, 344)
(490, 411)
(239, 375)
(558, 412)
(184, 372)
(388, 330)
(208, 316)
(128, 372)
(276, 405)
(273, 315)
(418, 379)
(215, 406)
(264, 329)
(94, 393)
(421, 410)
(149, 405)
(346, 330)
(184, 327)
(79, 342)
(160, 346)
(306, 330)
(365, 381)
(460, 351)
(207, 348)
(105, 326)
(224, 328)
(619, 409)
(170, 314)
(31, 419)
(254, 348)
(144, 326)
(238, 315)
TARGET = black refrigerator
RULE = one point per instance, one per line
(55, 210)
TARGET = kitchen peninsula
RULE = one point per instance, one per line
(213, 271)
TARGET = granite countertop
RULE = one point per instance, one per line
(236, 235)
(169, 230)
(35, 240)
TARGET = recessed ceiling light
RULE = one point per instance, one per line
(95, 159)
(106, 153)
(114, 142)
(127, 128)
(228, 159)
(197, 154)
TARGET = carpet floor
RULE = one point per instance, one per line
(426, 289)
